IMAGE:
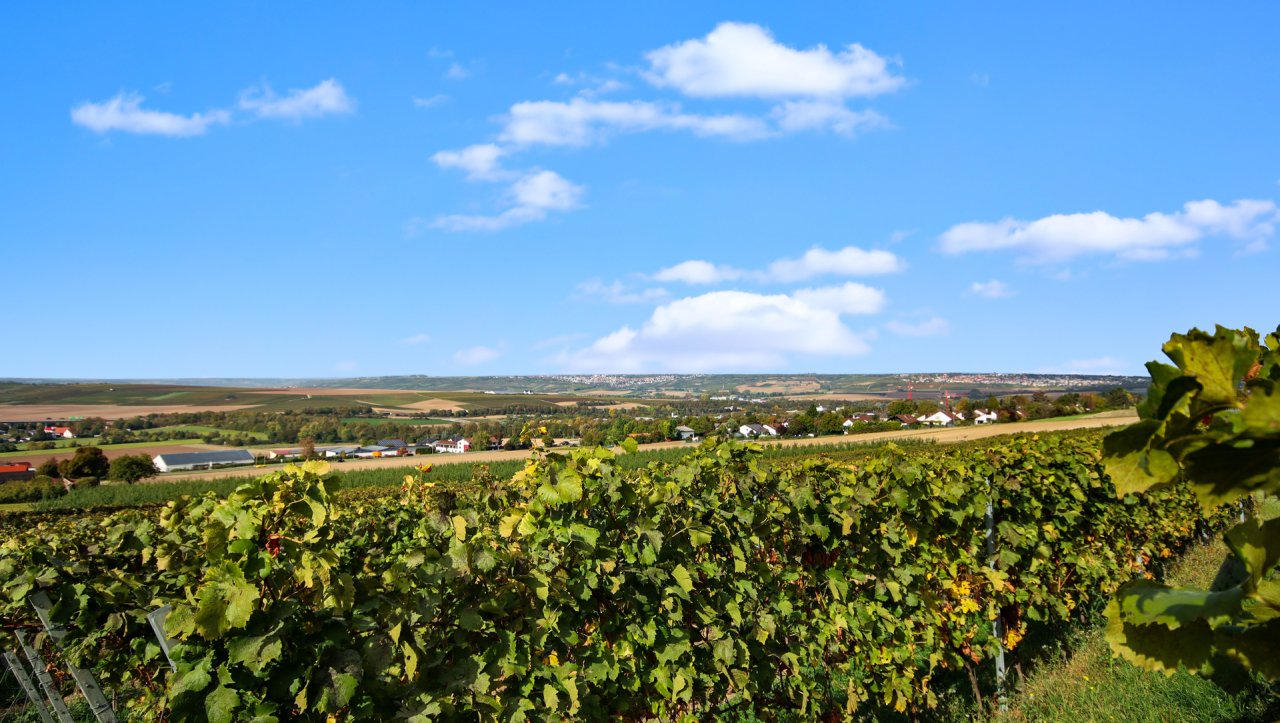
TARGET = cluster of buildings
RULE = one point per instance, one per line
(212, 459)
(940, 418)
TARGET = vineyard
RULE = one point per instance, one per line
(590, 587)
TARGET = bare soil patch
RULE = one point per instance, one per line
(781, 387)
(429, 404)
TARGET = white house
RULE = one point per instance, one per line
(940, 418)
(771, 430)
(64, 432)
(982, 416)
(686, 432)
(755, 430)
(453, 445)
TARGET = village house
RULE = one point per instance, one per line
(940, 418)
(686, 433)
(64, 432)
(982, 416)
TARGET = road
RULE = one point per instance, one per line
(945, 435)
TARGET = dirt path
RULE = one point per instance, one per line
(955, 434)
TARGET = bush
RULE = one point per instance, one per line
(84, 482)
(40, 488)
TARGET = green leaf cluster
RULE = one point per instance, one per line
(1211, 419)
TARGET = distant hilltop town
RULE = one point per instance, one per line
(1031, 381)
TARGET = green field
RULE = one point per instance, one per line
(107, 447)
(61, 444)
(201, 430)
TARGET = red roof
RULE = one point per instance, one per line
(15, 467)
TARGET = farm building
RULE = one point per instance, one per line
(202, 460)
(982, 416)
(16, 472)
(453, 445)
(686, 432)
(755, 430)
(64, 432)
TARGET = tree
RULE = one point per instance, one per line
(48, 468)
(131, 468)
(87, 462)
(1118, 398)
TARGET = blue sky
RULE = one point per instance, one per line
(329, 190)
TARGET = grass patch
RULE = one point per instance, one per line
(1090, 684)
(201, 430)
(108, 447)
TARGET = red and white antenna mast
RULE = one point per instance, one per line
(910, 390)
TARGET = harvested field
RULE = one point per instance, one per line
(781, 387)
(842, 397)
(427, 405)
(42, 412)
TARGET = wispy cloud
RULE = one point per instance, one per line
(328, 97)
(817, 261)
(416, 339)
(933, 326)
(431, 101)
(617, 293)
(992, 289)
(125, 113)
(476, 355)
(532, 197)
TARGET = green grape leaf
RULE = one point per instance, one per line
(682, 578)
(1257, 545)
(220, 705)
(1217, 362)
(1131, 461)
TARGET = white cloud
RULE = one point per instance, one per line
(1152, 237)
(124, 113)
(430, 102)
(721, 330)
(933, 326)
(848, 261)
(851, 298)
(476, 355)
(533, 195)
(581, 122)
(812, 115)
(618, 293)
(479, 161)
(992, 289)
(698, 272)
(416, 339)
(327, 98)
(817, 261)
(740, 59)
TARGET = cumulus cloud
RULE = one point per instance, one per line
(933, 326)
(124, 113)
(851, 298)
(992, 289)
(533, 195)
(817, 261)
(480, 162)
(618, 293)
(581, 122)
(721, 330)
(741, 59)
(476, 355)
(698, 272)
(328, 97)
(1152, 237)
(848, 261)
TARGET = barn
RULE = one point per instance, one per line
(202, 460)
